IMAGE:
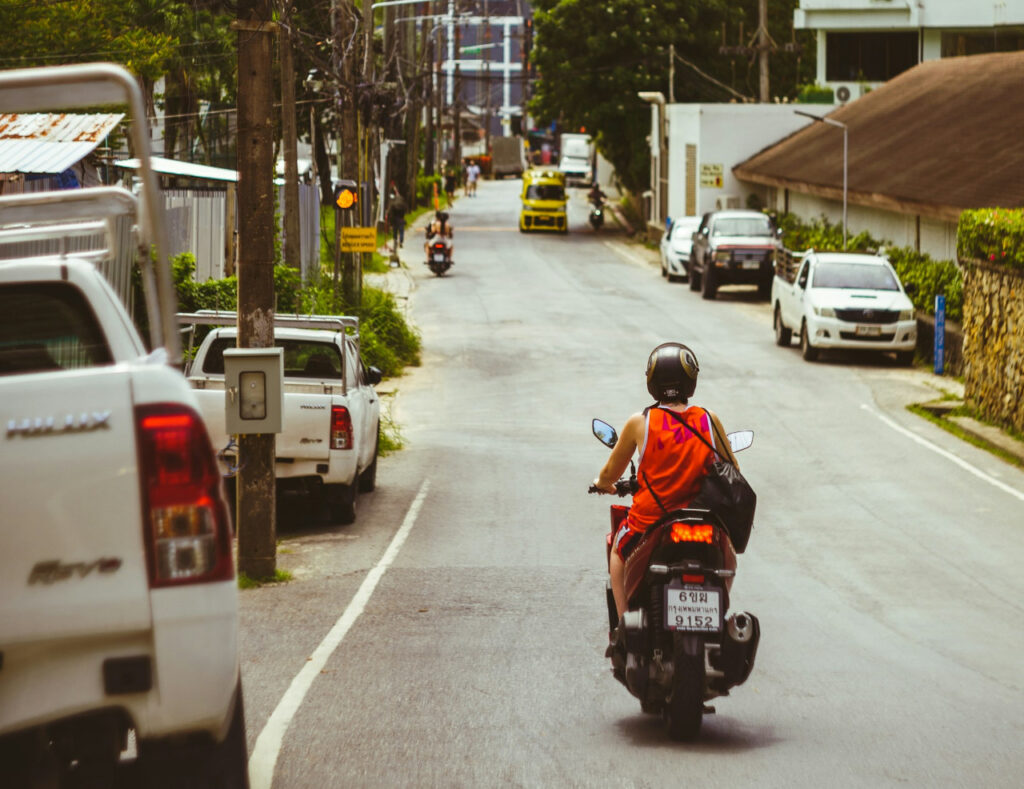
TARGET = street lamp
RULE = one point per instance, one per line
(846, 130)
(657, 97)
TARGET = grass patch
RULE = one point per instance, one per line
(280, 576)
(377, 264)
(963, 435)
(390, 436)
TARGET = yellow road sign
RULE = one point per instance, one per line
(359, 239)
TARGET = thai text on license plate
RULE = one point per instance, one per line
(869, 331)
(751, 264)
(693, 608)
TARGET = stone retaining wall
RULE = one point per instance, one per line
(993, 330)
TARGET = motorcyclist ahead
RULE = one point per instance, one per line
(595, 195)
(440, 227)
(672, 460)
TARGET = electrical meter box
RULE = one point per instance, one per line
(253, 390)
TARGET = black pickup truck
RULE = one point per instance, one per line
(733, 247)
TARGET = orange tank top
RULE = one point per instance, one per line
(672, 461)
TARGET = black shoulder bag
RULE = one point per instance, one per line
(724, 491)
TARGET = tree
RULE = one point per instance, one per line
(593, 57)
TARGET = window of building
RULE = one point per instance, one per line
(868, 57)
(959, 44)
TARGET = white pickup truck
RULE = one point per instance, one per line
(331, 417)
(118, 597)
(842, 300)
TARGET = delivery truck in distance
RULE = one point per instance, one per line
(576, 158)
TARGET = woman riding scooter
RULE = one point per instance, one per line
(672, 460)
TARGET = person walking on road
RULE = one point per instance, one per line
(472, 176)
(396, 217)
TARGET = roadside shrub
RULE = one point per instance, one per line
(815, 94)
(425, 189)
(386, 339)
(995, 235)
(931, 277)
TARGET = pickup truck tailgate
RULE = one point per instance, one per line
(71, 555)
(307, 420)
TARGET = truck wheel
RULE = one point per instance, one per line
(708, 286)
(904, 358)
(764, 289)
(368, 479)
(808, 351)
(173, 764)
(694, 277)
(783, 336)
(341, 501)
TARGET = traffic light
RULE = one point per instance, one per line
(346, 194)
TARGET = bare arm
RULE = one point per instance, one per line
(629, 440)
(721, 440)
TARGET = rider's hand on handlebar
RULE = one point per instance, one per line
(597, 487)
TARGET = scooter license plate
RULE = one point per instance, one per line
(439, 257)
(693, 609)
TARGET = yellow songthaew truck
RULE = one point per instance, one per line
(543, 201)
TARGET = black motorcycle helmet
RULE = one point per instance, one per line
(672, 372)
(441, 216)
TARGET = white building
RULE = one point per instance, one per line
(863, 43)
(704, 143)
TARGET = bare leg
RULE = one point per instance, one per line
(616, 569)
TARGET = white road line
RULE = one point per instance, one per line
(948, 455)
(268, 744)
(623, 252)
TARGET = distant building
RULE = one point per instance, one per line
(940, 138)
(863, 43)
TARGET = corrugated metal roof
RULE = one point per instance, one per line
(50, 143)
(939, 138)
(187, 169)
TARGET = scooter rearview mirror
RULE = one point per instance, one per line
(605, 433)
(740, 440)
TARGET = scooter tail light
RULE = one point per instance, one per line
(341, 428)
(693, 579)
(693, 532)
(185, 516)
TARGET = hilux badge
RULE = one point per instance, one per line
(49, 425)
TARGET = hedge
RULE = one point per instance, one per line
(386, 340)
(995, 235)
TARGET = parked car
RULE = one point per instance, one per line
(733, 247)
(843, 300)
(328, 445)
(676, 244)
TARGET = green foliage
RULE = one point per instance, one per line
(815, 94)
(386, 339)
(995, 235)
(425, 189)
(593, 56)
(930, 276)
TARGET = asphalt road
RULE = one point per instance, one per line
(884, 564)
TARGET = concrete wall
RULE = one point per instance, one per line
(723, 135)
(932, 236)
(993, 330)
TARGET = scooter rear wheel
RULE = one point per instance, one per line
(684, 710)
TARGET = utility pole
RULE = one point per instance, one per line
(256, 484)
(292, 232)
(671, 73)
(487, 78)
(347, 265)
(763, 46)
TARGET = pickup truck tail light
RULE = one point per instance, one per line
(185, 517)
(341, 428)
